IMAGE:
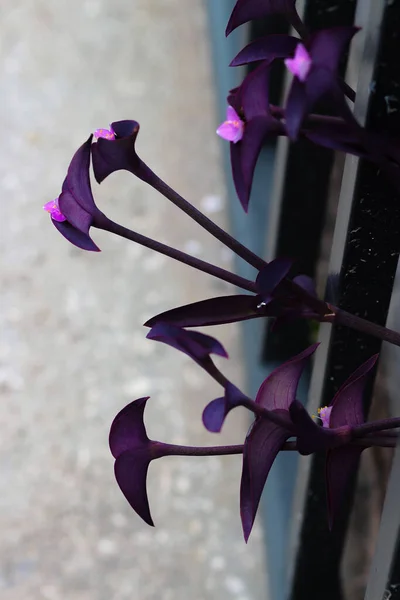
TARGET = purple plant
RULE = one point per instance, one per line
(281, 422)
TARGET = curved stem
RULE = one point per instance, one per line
(182, 257)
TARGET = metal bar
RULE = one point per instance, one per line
(384, 576)
(365, 252)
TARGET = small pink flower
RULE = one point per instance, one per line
(233, 128)
(300, 64)
(107, 134)
(325, 414)
(53, 209)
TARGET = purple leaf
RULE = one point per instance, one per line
(193, 343)
(132, 450)
(131, 474)
(347, 405)
(305, 282)
(278, 391)
(128, 430)
(114, 155)
(244, 156)
(216, 411)
(271, 276)
(325, 49)
(77, 181)
(268, 48)
(247, 10)
(262, 445)
(341, 463)
(259, 124)
(215, 311)
(76, 237)
(76, 201)
(327, 46)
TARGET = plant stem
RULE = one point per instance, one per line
(182, 257)
(176, 450)
(376, 426)
(341, 317)
(230, 242)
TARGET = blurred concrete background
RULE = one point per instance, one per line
(72, 348)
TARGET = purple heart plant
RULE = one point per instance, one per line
(281, 423)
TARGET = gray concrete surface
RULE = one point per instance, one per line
(72, 349)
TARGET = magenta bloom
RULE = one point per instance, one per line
(107, 134)
(232, 129)
(54, 210)
(300, 64)
(325, 415)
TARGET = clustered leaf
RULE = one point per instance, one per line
(314, 61)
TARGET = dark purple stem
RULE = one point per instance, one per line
(376, 426)
(158, 184)
(341, 317)
(182, 257)
(175, 450)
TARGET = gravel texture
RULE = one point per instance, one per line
(72, 348)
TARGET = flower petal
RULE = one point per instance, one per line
(215, 311)
(347, 405)
(216, 411)
(76, 237)
(262, 444)
(128, 430)
(268, 48)
(278, 391)
(131, 474)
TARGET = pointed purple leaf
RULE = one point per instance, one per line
(77, 181)
(77, 216)
(247, 10)
(114, 155)
(76, 237)
(215, 311)
(271, 276)
(278, 391)
(327, 46)
(131, 474)
(262, 444)
(128, 430)
(244, 155)
(268, 48)
(196, 345)
(216, 411)
(347, 405)
(132, 450)
(341, 463)
(255, 93)
(305, 282)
